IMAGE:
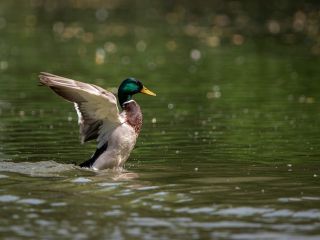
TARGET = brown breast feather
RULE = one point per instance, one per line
(133, 115)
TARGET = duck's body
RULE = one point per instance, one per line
(121, 140)
(99, 117)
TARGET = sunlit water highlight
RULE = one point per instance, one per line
(229, 147)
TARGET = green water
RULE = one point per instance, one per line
(228, 150)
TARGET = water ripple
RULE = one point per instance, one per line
(8, 198)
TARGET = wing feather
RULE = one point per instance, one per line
(97, 108)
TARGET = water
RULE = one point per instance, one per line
(228, 149)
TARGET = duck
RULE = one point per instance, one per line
(99, 117)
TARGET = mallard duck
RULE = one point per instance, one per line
(99, 117)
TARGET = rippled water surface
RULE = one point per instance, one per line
(229, 147)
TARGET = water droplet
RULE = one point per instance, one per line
(101, 14)
(110, 47)
(21, 113)
(154, 120)
(58, 28)
(171, 45)
(170, 106)
(273, 26)
(213, 41)
(309, 100)
(195, 54)
(141, 46)
(100, 56)
(237, 39)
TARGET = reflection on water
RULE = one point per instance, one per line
(155, 203)
(228, 149)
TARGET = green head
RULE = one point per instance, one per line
(129, 87)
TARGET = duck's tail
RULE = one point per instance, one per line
(89, 163)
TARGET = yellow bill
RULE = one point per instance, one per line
(147, 91)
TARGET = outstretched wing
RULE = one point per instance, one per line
(97, 109)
